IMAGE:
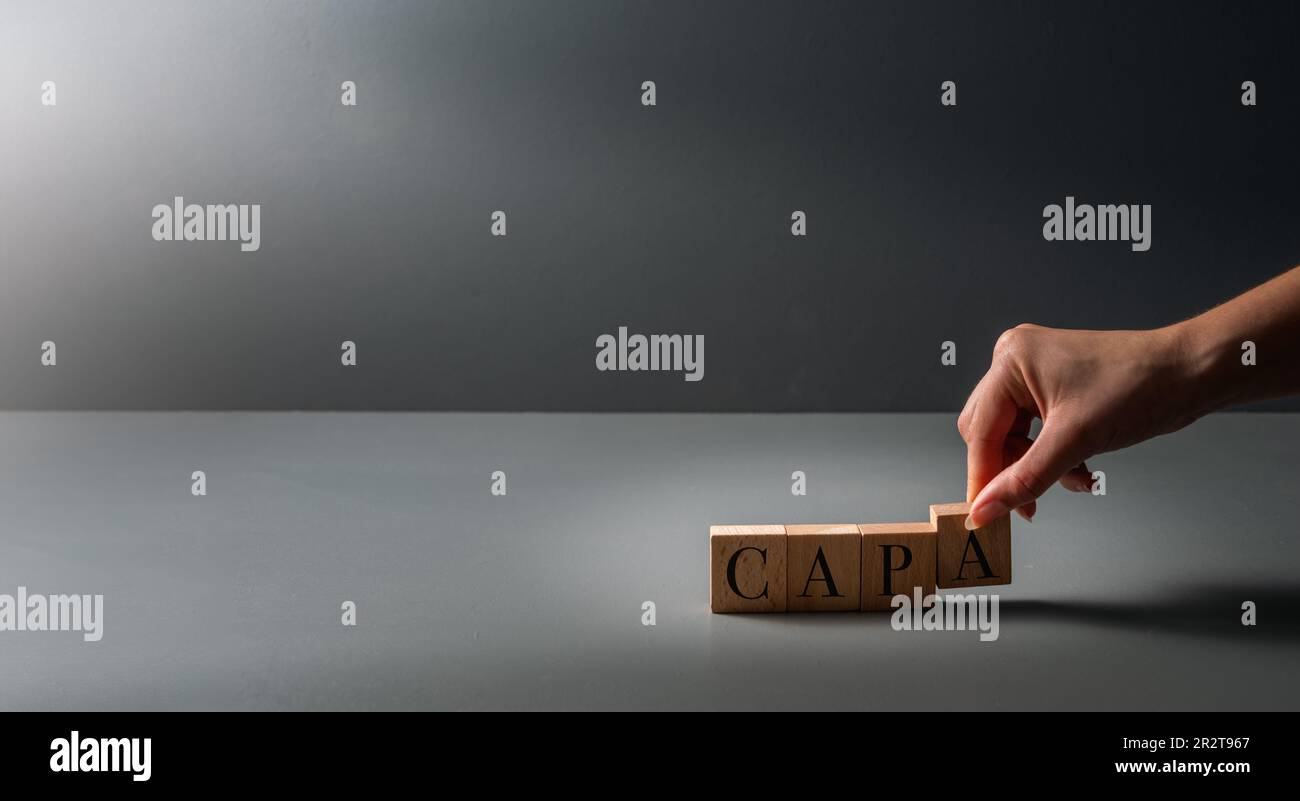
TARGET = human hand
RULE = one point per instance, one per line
(1096, 391)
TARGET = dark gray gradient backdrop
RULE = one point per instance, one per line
(924, 221)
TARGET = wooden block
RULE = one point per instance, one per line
(971, 558)
(896, 557)
(825, 568)
(747, 568)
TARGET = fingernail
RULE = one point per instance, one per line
(991, 510)
(1026, 515)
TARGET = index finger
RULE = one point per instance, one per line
(990, 414)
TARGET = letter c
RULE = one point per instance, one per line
(731, 572)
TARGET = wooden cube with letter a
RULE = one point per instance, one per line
(971, 558)
(824, 571)
(896, 559)
(747, 568)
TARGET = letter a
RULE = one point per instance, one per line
(819, 561)
(606, 353)
(973, 541)
(949, 96)
(948, 353)
(162, 226)
(1055, 222)
(61, 760)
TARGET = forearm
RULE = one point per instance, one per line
(1210, 345)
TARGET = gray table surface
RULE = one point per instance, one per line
(533, 600)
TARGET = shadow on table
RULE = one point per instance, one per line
(1204, 610)
(1200, 609)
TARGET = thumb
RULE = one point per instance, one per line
(1053, 453)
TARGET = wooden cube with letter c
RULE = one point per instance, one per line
(747, 568)
(896, 559)
(971, 558)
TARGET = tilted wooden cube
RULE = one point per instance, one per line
(976, 558)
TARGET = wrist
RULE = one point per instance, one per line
(1200, 356)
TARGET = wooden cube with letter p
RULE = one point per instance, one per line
(971, 558)
(825, 568)
(896, 559)
(747, 568)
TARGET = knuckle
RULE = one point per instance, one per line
(1009, 341)
(1013, 341)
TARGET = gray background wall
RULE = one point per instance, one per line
(924, 221)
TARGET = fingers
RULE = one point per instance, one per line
(988, 418)
(1028, 511)
(1016, 446)
(1054, 453)
(1078, 479)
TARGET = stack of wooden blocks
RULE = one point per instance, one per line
(850, 568)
